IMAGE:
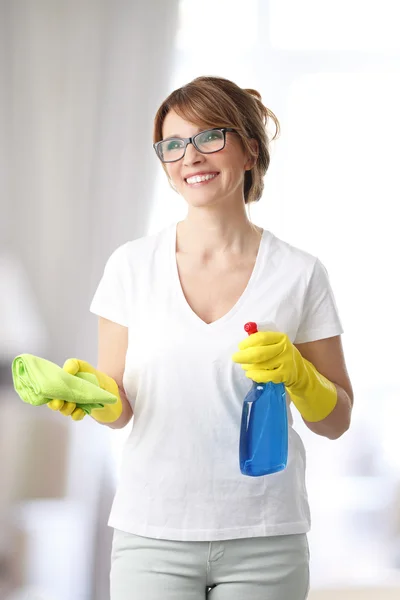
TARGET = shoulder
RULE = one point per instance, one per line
(296, 265)
(137, 252)
(291, 257)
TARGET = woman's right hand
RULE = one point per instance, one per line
(68, 409)
(109, 413)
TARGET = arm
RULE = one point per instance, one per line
(327, 357)
(112, 347)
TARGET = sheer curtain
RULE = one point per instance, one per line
(80, 81)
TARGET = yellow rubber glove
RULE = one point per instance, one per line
(108, 414)
(271, 356)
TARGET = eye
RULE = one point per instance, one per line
(210, 136)
(172, 145)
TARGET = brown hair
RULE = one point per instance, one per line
(218, 102)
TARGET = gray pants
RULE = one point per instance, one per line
(261, 568)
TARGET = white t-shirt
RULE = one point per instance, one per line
(180, 477)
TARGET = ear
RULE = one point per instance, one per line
(251, 160)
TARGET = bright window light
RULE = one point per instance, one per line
(341, 183)
(350, 25)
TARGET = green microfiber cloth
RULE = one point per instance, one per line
(37, 381)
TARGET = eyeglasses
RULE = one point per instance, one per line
(206, 142)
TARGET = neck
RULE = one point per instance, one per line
(209, 233)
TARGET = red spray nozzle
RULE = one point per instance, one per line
(251, 327)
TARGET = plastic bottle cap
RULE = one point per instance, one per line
(251, 327)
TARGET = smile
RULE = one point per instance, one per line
(201, 179)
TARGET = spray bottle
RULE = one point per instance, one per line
(263, 447)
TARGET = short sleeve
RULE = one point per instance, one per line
(319, 318)
(110, 298)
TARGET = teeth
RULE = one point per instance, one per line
(200, 178)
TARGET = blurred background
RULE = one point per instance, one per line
(80, 82)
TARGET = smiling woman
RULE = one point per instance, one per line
(172, 307)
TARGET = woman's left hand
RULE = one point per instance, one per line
(270, 356)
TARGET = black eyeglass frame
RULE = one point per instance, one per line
(192, 140)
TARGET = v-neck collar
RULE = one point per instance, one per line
(185, 306)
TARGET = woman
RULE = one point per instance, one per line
(171, 308)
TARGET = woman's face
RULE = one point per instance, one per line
(227, 167)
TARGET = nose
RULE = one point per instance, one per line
(192, 156)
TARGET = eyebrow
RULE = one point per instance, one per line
(175, 135)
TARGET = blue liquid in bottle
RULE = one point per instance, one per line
(263, 447)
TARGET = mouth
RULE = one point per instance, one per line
(200, 180)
